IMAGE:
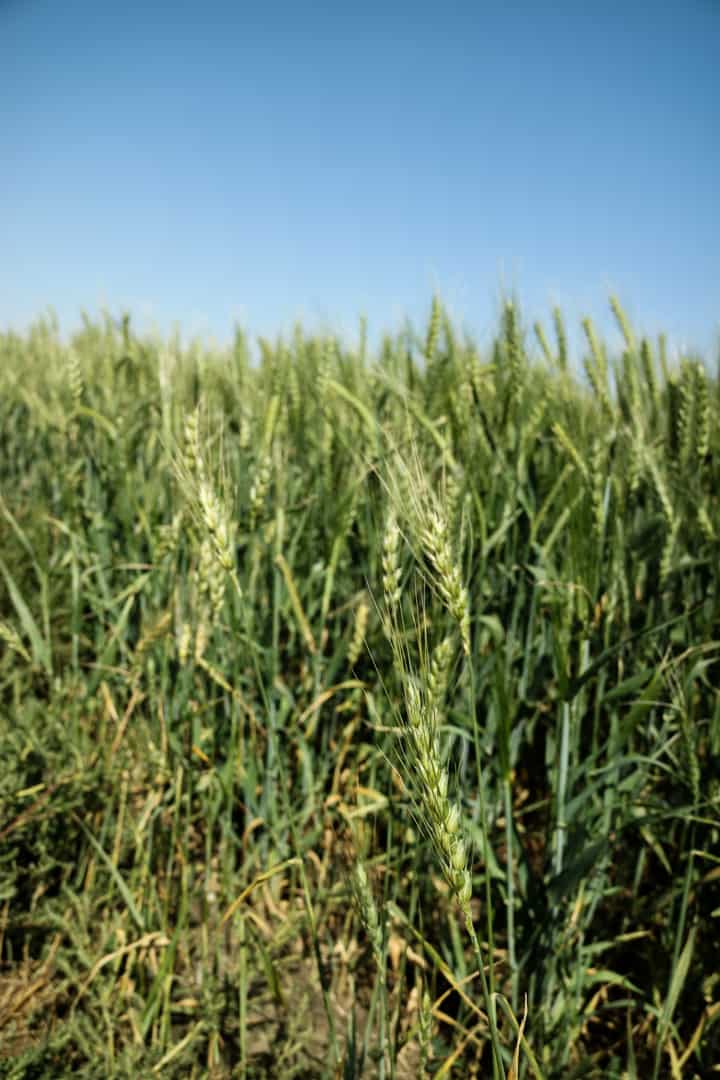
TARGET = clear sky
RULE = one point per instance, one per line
(215, 162)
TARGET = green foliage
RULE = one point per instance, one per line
(258, 618)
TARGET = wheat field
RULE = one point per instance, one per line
(360, 713)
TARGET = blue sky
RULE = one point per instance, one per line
(221, 162)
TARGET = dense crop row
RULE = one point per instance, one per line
(360, 716)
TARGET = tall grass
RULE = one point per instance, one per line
(360, 716)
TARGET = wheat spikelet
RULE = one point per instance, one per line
(452, 492)
(451, 346)
(192, 454)
(433, 330)
(461, 400)
(159, 630)
(598, 471)
(484, 394)
(648, 366)
(357, 641)
(211, 577)
(201, 640)
(623, 324)
(326, 449)
(368, 912)
(569, 446)
(662, 490)
(465, 396)
(561, 337)
(167, 538)
(634, 392)
(543, 341)
(666, 556)
(214, 518)
(392, 571)
(433, 535)
(436, 815)
(259, 488)
(619, 576)
(690, 755)
(702, 439)
(438, 673)
(362, 341)
(512, 348)
(687, 400)
(662, 354)
(184, 643)
(637, 465)
(536, 418)
(244, 436)
(213, 532)
(428, 517)
(76, 380)
(292, 383)
(597, 373)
